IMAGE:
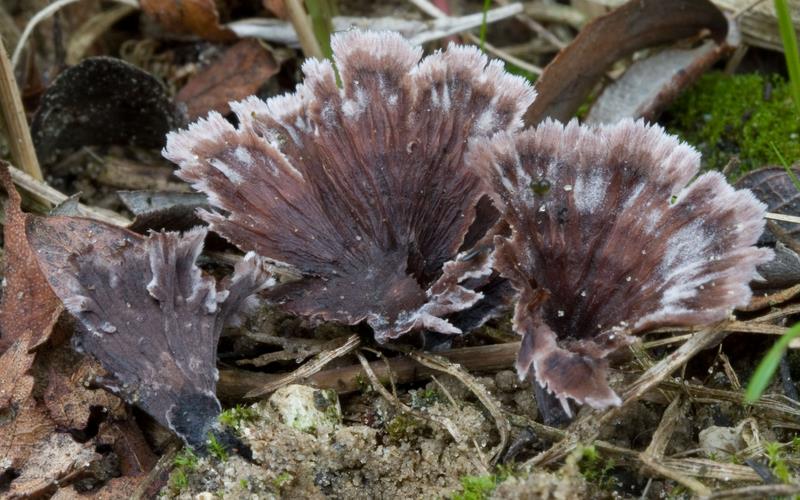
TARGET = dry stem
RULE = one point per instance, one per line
(308, 369)
(440, 364)
(13, 112)
(435, 12)
(50, 195)
(302, 25)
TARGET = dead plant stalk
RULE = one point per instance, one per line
(19, 134)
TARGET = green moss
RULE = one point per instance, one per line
(283, 479)
(364, 387)
(185, 462)
(216, 448)
(236, 416)
(796, 445)
(481, 487)
(185, 459)
(777, 461)
(424, 398)
(743, 115)
(476, 487)
(403, 427)
(595, 469)
(178, 481)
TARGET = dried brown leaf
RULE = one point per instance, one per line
(22, 423)
(651, 84)
(638, 24)
(29, 305)
(241, 70)
(774, 187)
(277, 7)
(67, 399)
(54, 457)
(198, 17)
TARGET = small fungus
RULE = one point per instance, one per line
(623, 247)
(364, 189)
(147, 313)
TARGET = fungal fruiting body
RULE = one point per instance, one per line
(364, 189)
(609, 241)
(147, 313)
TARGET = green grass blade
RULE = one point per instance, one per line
(321, 13)
(486, 5)
(786, 166)
(789, 39)
(769, 364)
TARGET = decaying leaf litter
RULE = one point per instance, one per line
(320, 409)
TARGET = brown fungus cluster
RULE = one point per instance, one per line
(371, 191)
(609, 241)
(364, 189)
(404, 197)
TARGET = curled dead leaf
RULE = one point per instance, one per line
(637, 24)
(198, 17)
(22, 422)
(160, 210)
(277, 7)
(29, 305)
(239, 72)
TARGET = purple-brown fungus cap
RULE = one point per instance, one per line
(147, 313)
(609, 241)
(363, 188)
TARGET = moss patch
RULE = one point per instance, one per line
(741, 115)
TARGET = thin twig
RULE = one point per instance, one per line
(13, 114)
(380, 389)
(729, 371)
(784, 236)
(696, 467)
(433, 11)
(50, 195)
(537, 28)
(444, 422)
(779, 407)
(659, 468)
(302, 25)
(782, 217)
(234, 384)
(154, 480)
(308, 369)
(388, 368)
(779, 314)
(653, 456)
(757, 325)
(587, 427)
(667, 341)
(670, 418)
(758, 491)
(441, 364)
(651, 378)
(742, 10)
(733, 163)
(769, 300)
(44, 14)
